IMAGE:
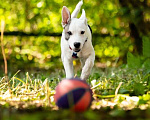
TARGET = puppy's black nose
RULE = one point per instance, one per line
(77, 44)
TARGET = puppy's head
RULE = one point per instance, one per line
(75, 29)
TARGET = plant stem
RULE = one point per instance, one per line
(2, 47)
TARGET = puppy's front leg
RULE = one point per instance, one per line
(86, 70)
(68, 65)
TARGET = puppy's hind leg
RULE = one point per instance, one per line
(77, 9)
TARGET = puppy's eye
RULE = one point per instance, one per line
(69, 32)
(82, 32)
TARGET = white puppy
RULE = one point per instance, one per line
(76, 42)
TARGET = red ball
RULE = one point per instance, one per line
(74, 94)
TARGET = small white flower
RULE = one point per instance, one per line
(93, 82)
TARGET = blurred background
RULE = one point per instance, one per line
(33, 30)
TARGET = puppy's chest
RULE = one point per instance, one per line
(79, 55)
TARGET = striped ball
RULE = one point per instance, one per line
(74, 94)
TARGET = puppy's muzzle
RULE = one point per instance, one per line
(77, 44)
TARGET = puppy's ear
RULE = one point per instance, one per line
(83, 17)
(66, 17)
(77, 9)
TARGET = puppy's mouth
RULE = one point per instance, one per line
(75, 49)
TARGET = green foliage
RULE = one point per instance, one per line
(133, 61)
(134, 82)
(32, 52)
(36, 16)
(142, 64)
(146, 47)
(146, 53)
(140, 61)
(110, 20)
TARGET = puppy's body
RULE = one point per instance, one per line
(76, 42)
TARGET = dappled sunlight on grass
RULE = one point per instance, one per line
(28, 92)
(23, 94)
(114, 96)
(124, 102)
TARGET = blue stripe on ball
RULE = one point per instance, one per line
(71, 98)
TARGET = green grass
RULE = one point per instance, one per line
(117, 93)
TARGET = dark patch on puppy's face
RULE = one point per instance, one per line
(67, 35)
